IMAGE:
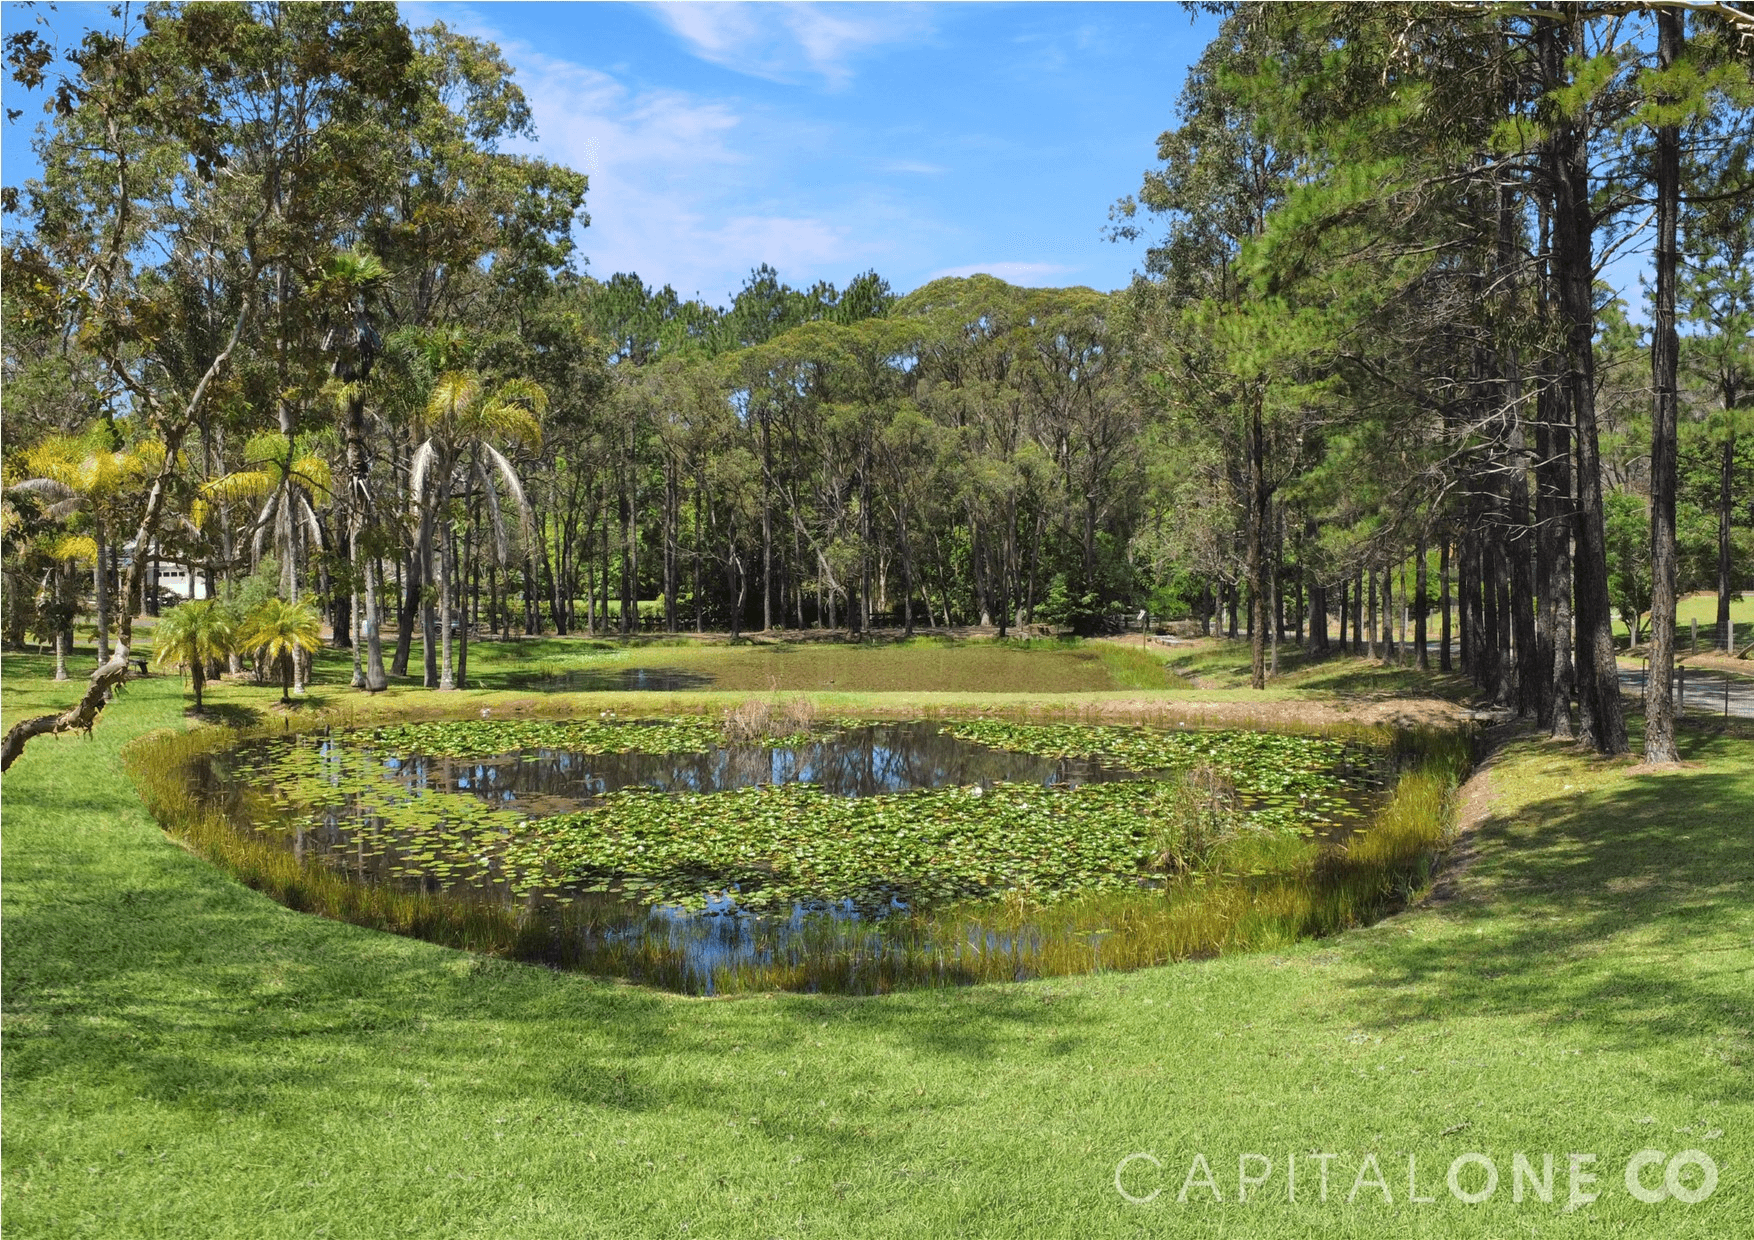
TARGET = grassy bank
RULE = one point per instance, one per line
(186, 1057)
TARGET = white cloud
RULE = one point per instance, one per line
(1030, 275)
(786, 42)
(677, 181)
(691, 191)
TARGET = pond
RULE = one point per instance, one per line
(666, 850)
(612, 679)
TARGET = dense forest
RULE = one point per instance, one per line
(283, 317)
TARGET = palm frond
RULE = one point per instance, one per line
(513, 484)
(278, 628)
(496, 521)
(309, 516)
(70, 548)
(424, 458)
(454, 395)
(245, 484)
(509, 423)
(313, 472)
(48, 487)
(194, 632)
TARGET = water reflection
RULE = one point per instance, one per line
(613, 680)
(439, 824)
(855, 762)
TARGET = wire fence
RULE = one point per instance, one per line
(1700, 692)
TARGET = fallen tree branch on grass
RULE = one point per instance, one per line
(78, 717)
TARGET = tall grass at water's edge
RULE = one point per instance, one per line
(1250, 903)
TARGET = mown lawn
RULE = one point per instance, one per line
(1225, 663)
(1702, 606)
(184, 1057)
(926, 664)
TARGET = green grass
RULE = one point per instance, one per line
(1222, 663)
(185, 1057)
(1702, 607)
(925, 664)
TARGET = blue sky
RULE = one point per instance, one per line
(921, 140)
(917, 139)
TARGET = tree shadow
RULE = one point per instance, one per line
(230, 714)
(1623, 911)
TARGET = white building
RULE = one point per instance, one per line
(178, 580)
(173, 578)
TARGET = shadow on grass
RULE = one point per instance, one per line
(193, 992)
(230, 714)
(1653, 874)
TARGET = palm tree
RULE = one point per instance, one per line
(58, 597)
(464, 420)
(80, 475)
(281, 631)
(192, 636)
(353, 285)
(291, 478)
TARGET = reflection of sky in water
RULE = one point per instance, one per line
(855, 762)
(723, 939)
(859, 761)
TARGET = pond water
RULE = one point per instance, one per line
(853, 762)
(383, 812)
(614, 680)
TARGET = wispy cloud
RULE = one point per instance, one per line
(1026, 274)
(791, 42)
(912, 166)
(677, 180)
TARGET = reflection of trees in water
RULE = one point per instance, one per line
(856, 762)
(613, 679)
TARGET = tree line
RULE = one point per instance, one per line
(281, 312)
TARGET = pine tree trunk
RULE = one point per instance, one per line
(1444, 661)
(1420, 605)
(1602, 722)
(1259, 499)
(1388, 615)
(1659, 707)
(1726, 639)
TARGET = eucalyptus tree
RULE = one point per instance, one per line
(974, 347)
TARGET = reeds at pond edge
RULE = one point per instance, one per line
(1239, 894)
